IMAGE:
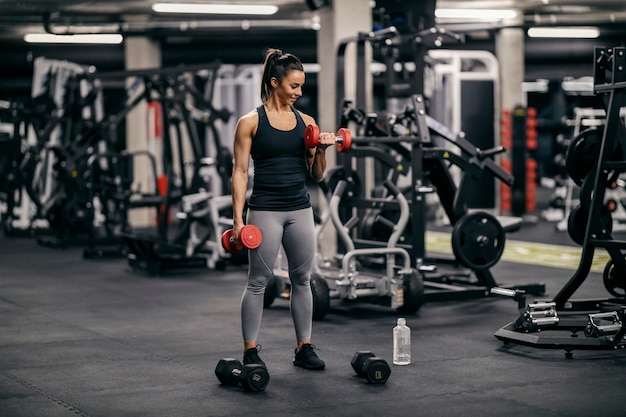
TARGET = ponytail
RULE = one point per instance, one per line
(276, 65)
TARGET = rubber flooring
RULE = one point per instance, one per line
(93, 338)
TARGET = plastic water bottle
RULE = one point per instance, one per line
(401, 343)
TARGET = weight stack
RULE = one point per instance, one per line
(523, 165)
(506, 140)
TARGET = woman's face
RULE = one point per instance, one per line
(290, 87)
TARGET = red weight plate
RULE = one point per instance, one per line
(346, 140)
(228, 243)
(311, 136)
(251, 236)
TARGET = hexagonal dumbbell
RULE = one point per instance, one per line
(251, 377)
(343, 138)
(376, 370)
(250, 237)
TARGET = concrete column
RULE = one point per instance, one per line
(510, 54)
(346, 19)
(140, 53)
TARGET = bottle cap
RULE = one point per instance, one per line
(401, 321)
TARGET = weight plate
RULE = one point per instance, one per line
(586, 191)
(251, 236)
(321, 296)
(614, 280)
(413, 292)
(346, 140)
(583, 153)
(478, 240)
(228, 244)
(577, 223)
(337, 173)
(311, 136)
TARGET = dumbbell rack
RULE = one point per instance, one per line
(472, 161)
(584, 314)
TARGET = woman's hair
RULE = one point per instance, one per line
(277, 65)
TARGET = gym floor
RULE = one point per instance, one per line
(91, 338)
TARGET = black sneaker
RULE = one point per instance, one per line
(307, 358)
(252, 356)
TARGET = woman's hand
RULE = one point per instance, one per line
(325, 140)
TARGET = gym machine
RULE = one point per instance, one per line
(42, 124)
(478, 238)
(598, 323)
(347, 278)
(67, 205)
(191, 238)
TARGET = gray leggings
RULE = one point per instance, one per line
(295, 230)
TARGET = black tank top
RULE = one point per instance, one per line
(280, 168)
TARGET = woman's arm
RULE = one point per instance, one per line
(239, 181)
(316, 157)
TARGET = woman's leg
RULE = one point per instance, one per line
(299, 242)
(260, 269)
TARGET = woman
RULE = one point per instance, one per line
(273, 135)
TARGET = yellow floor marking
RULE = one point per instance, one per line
(556, 256)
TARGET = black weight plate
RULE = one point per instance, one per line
(583, 153)
(366, 226)
(614, 280)
(413, 292)
(577, 223)
(337, 173)
(478, 240)
(586, 191)
(321, 296)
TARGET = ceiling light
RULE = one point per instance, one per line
(480, 14)
(83, 38)
(564, 32)
(246, 9)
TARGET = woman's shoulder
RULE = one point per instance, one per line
(308, 120)
(252, 117)
(248, 123)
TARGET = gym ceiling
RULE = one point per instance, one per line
(234, 39)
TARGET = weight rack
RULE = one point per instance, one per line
(583, 315)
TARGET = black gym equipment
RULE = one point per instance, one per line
(599, 323)
(395, 284)
(252, 377)
(406, 146)
(375, 369)
(27, 174)
(175, 242)
(478, 238)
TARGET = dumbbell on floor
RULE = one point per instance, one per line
(343, 138)
(252, 377)
(249, 237)
(376, 370)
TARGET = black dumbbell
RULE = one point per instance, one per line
(370, 366)
(252, 377)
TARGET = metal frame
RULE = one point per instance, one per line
(610, 83)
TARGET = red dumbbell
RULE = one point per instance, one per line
(249, 237)
(343, 138)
